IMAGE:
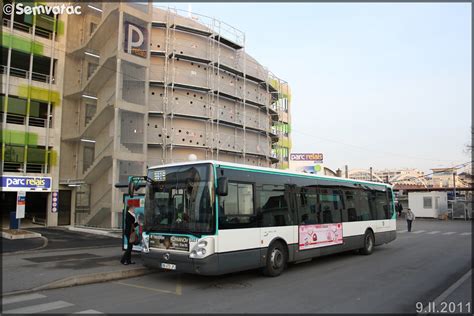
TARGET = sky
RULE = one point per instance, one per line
(382, 85)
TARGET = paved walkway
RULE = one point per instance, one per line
(68, 258)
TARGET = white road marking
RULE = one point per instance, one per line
(435, 232)
(418, 231)
(20, 298)
(401, 231)
(465, 234)
(450, 290)
(89, 311)
(449, 233)
(39, 308)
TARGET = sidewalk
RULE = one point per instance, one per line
(67, 259)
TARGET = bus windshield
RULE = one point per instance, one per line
(180, 200)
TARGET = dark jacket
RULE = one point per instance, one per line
(129, 224)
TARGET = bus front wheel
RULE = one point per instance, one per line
(276, 260)
(368, 243)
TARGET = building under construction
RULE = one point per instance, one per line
(146, 86)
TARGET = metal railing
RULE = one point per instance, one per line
(30, 167)
(27, 28)
(36, 168)
(22, 73)
(32, 121)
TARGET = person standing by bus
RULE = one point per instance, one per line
(399, 209)
(130, 224)
(410, 218)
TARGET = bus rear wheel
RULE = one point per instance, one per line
(276, 260)
(368, 243)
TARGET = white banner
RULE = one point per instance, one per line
(20, 204)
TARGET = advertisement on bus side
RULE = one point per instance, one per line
(315, 236)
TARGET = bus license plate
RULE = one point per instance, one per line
(168, 266)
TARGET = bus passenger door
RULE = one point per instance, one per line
(278, 215)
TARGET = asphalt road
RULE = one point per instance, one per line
(416, 267)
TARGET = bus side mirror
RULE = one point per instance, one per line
(222, 186)
(131, 188)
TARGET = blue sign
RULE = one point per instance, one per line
(19, 183)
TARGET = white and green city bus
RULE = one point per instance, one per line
(211, 218)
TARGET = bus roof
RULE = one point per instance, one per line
(266, 169)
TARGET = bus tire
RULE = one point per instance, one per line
(369, 242)
(276, 259)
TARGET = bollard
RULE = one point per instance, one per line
(13, 221)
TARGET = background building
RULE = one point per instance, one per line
(146, 86)
(33, 50)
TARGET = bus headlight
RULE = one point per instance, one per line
(202, 249)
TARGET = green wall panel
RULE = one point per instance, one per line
(21, 44)
(53, 157)
(40, 94)
(18, 137)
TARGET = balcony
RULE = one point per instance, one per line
(27, 28)
(25, 74)
(32, 121)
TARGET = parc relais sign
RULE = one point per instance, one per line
(315, 157)
(307, 162)
(20, 183)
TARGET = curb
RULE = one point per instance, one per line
(19, 252)
(96, 231)
(25, 235)
(87, 279)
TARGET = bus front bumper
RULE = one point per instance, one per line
(181, 262)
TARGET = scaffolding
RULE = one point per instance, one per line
(230, 116)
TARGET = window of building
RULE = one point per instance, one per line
(14, 153)
(90, 112)
(38, 114)
(236, 210)
(41, 67)
(92, 28)
(91, 67)
(88, 155)
(427, 202)
(19, 64)
(15, 105)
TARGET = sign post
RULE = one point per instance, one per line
(54, 202)
(20, 206)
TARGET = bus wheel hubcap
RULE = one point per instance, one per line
(369, 242)
(277, 258)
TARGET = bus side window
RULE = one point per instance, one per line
(274, 207)
(365, 211)
(390, 203)
(381, 205)
(349, 213)
(236, 210)
(331, 205)
(307, 206)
